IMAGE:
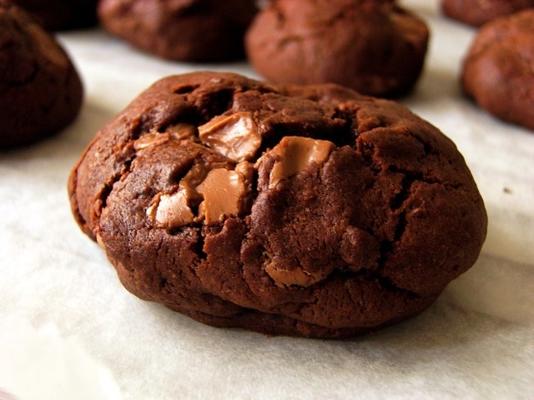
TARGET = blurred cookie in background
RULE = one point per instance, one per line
(40, 90)
(372, 46)
(185, 30)
(478, 12)
(57, 15)
(499, 69)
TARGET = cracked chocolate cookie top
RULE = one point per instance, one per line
(186, 30)
(290, 210)
(372, 46)
(498, 71)
(478, 12)
(40, 91)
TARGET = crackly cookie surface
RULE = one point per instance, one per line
(478, 12)
(308, 211)
(372, 46)
(186, 30)
(498, 71)
(40, 90)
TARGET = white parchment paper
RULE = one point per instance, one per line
(68, 330)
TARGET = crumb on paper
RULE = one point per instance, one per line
(507, 190)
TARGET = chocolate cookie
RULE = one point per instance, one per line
(307, 211)
(372, 46)
(499, 69)
(187, 30)
(478, 12)
(61, 14)
(40, 90)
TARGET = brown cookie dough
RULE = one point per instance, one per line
(372, 46)
(499, 69)
(40, 90)
(186, 30)
(478, 12)
(308, 211)
(61, 14)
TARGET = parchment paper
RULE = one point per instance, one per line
(68, 330)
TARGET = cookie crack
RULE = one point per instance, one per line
(199, 247)
(398, 200)
(365, 150)
(109, 186)
(349, 134)
(398, 204)
(411, 177)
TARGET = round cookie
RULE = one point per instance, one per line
(498, 71)
(61, 14)
(372, 46)
(188, 30)
(478, 12)
(309, 211)
(40, 90)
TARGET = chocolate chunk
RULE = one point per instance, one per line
(295, 154)
(174, 132)
(171, 210)
(182, 131)
(288, 277)
(193, 178)
(235, 136)
(151, 139)
(223, 192)
(246, 170)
